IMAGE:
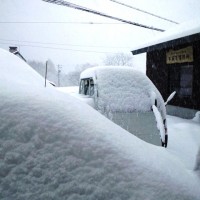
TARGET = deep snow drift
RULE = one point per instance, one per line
(53, 146)
(184, 140)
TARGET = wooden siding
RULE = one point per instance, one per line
(158, 72)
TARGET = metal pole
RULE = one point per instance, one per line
(46, 74)
(59, 71)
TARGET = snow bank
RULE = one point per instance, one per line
(53, 146)
(74, 91)
(197, 164)
(197, 117)
(184, 140)
(69, 90)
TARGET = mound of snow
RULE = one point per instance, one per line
(53, 146)
(197, 117)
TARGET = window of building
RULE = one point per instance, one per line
(181, 78)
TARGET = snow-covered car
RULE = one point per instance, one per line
(53, 146)
(128, 98)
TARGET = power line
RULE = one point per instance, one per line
(51, 43)
(56, 48)
(140, 10)
(71, 5)
(50, 22)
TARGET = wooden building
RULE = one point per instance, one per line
(173, 64)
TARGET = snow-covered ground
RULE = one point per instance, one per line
(52, 146)
(184, 140)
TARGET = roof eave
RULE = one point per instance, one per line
(168, 44)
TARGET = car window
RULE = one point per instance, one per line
(87, 87)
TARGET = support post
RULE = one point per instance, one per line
(59, 71)
(45, 84)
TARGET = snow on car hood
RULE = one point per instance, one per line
(53, 146)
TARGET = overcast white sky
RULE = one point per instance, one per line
(69, 44)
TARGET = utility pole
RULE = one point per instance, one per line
(45, 84)
(59, 72)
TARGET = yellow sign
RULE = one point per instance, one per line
(180, 56)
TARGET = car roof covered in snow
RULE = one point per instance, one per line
(122, 88)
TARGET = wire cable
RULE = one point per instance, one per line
(140, 10)
(61, 44)
(56, 48)
(71, 5)
(37, 22)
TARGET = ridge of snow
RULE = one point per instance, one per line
(53, 146)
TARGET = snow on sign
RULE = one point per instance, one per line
(125, 96)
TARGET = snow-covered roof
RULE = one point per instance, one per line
(14, 68)
(53, 146)
(179, 34)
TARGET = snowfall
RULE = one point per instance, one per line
(53, 146)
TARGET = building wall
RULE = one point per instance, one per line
(196, 83)
(159, 72)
